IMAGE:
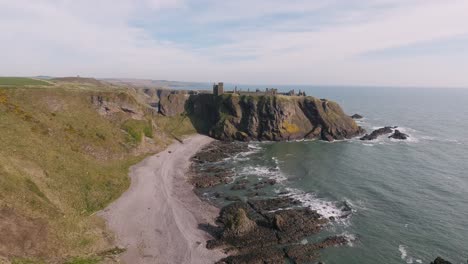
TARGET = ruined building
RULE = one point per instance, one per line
(218, 89)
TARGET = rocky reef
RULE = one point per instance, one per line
(399, 135)
(258, 228)
(385, 131)
(271, 118)
(270, 231)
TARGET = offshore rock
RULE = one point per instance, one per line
(398, 135)
(357, 116)
(377, 133)
(440, 260)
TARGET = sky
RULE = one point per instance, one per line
(328, 42)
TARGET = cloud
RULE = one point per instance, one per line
(274, 41)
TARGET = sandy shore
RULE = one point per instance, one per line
(157, 219)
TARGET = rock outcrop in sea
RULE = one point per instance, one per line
(377, 133)
(357, 116)
(440, 260)
(385, 131)
(399, 135)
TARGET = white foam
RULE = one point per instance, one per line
(404, 255)
(403, 252)
(350, 238)
(323, 207)
(263, 172)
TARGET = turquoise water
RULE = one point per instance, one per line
(409, 199)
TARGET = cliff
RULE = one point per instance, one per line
(275, 118)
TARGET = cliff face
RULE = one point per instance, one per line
(231, 117)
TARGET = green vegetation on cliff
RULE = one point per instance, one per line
(20, 81)
(65, 154)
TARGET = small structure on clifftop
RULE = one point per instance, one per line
(218, 89)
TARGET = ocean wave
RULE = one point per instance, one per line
(350, 238)
(326, 209)
(263, 172)
(404, 255)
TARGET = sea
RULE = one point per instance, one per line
(395, 201)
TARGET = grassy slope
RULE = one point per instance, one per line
(20, 81)
(61, 161)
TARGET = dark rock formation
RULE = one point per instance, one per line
(206, 174)
(255, 117)
(306, 253)
(398, 135)
(377, 133)
(171, 104)
(244, 118)
(357, 116)
(440, 260)
(267, 231)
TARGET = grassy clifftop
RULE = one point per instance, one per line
(64, 156)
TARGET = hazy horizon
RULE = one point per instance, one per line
(385, 43)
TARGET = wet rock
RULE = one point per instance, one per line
(267, 205)
(398, 135)
(233, 198)
(357, 116)
(260, 230)
(310, 252)
(377, 133)
(295, 224)
(265, 183)
(255, 194)
(270, 255)
(440, 260)
(206, 170)
(240, 185)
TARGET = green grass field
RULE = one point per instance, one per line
(20, 81)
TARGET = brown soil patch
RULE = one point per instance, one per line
(21, 236)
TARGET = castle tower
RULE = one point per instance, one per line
(218, 89)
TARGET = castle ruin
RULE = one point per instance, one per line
(218, 89)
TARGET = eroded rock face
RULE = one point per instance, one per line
(398, 135)
(377, 133)
(171, 104)
(274, 118)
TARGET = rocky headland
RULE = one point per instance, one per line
(230, 117)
